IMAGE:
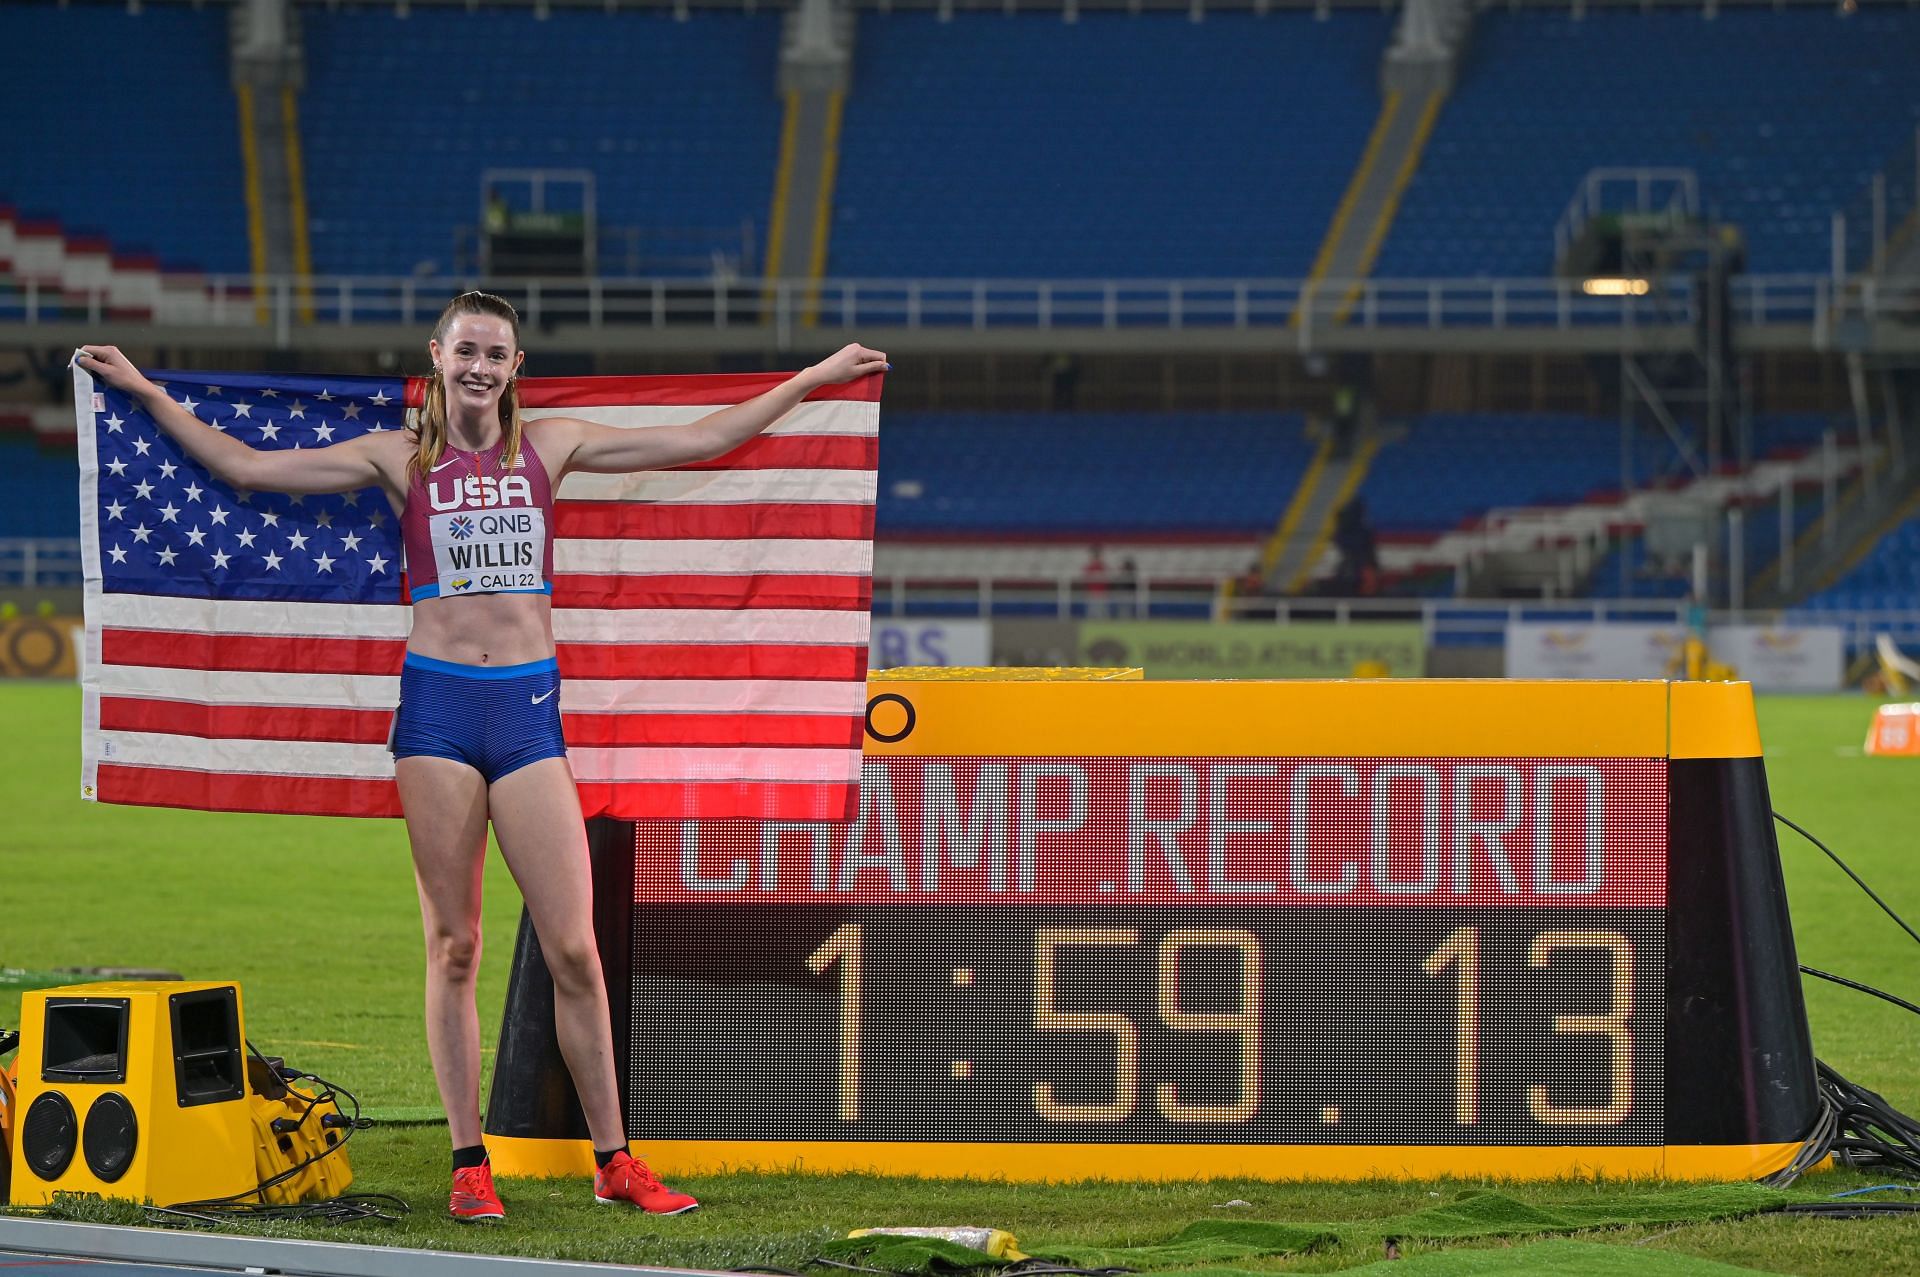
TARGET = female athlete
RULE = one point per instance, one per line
(477, 731)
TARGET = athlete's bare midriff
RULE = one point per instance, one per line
(483, 629)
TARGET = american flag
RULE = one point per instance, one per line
(244, 648)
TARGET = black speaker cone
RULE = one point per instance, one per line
(48, 1134)
(111, 1135)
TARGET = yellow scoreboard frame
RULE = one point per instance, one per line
(1634, 1013)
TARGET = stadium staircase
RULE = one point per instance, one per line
(266, 83)
(1416, 76)
(1297, 551)
(816, 60)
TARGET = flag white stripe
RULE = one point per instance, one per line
(238, 617)
(726, 487)
(373, 762)
(818, 417)
(577, 695)
(714, 558)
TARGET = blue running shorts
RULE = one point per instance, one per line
(495, 719)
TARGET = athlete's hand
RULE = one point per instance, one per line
(850, 363)
(107, 364)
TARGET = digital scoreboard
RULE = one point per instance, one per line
(1177, 929)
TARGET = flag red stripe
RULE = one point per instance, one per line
(623, 520)
(724, 800)
(273, 654)
(838, 662)
(717, 389)
(680, 391)
(224, 791)
(797, 452)
(369, 726)
(774, 590)
(190, 650)
(340, 796)
(245, 722)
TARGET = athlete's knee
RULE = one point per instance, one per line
(574, 963)
(454, 955)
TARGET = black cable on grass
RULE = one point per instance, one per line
(235, 1207)
(1858, 880)
(1849, 1210)
(1856, 1127)
(349, 1209)
(1841, 980)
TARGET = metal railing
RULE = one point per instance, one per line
(1192, 8)
(1643, 191)
(55, 563)
(1876, 225)
(792, 307)
(40, 563)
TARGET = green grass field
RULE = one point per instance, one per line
(317, 919)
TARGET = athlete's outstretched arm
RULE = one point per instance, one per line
(606, 450)
(340, 467)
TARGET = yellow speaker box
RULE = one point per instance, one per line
(135, 1090)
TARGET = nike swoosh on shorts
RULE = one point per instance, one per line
(543, 696)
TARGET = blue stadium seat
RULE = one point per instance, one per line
(1142, 146)
(39, 490)
(1092, 473)
(1452, 467)
(1887, 579)
(678, 121)
(1786, 115)
(132, 130)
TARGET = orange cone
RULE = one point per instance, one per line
(1895, 730)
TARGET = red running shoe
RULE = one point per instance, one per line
(473, 1200)
(627, 1179)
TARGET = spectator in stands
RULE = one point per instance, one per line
(1249, 589)
(1346, 419)
(499, 216)
(1063, 381)
(1357, 572)
(1093, 583)
(1126, 585)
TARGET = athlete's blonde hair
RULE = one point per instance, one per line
(430, 419)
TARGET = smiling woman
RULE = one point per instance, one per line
(477, 733)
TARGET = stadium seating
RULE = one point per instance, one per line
(38, 490)
(1887, 579)
(678, 121)
(1087, 474)
(1785, 115)
(132, 131)
(1453, 467)
(1147, 145)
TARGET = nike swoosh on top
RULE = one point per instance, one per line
(443, 465)
(543, 696)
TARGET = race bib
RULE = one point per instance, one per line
(489, 551)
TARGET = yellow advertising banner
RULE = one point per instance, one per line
(39, 647)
